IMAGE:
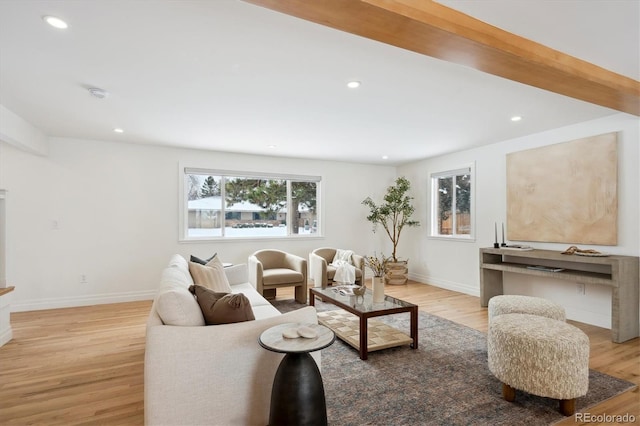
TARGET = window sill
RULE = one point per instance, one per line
(245, 239)
(457, 238)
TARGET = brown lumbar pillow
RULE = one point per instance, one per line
(222, 308)
(232, 308)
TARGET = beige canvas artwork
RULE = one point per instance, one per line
(564, 193)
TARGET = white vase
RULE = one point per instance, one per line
(378, 289)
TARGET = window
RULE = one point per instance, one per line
(452, 203)
(219, 204)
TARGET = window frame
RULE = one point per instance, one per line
(288, 178)
(433, 211)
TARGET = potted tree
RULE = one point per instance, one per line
(393, 215)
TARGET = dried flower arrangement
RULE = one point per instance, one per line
(377, 264)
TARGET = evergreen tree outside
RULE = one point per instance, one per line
(269, 194)
(210, 188)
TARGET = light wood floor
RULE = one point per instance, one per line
(85, 365)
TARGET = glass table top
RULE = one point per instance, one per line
(362, 303)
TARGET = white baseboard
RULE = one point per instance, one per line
(447, 285)
(6, 335)
(71, 302)
(588, 317)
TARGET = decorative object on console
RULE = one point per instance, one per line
(518, 247)
(394, 214)
(565, 193)
(586, 252)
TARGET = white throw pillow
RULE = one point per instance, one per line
(176, 306)
(210, 275)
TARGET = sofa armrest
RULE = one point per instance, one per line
(318, 270)
(237, 274)
(358, 262)
(196, 375)
(255, 273)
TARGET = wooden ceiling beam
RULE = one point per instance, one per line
(432, 29)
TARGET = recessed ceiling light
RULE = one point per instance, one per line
(271, 146)
(118, 130)
(55, 22)
(516, 118)
(385, 157)
(353, 84)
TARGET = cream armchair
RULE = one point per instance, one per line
(270, 269)
(322, 272)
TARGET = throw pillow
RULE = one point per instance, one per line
(176, 306)
(222, 308)
(201, 261)
(210, 275)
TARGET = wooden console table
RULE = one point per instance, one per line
(618, 272)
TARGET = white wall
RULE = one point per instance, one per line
(115, 207)
(16, 131)
(454, 264)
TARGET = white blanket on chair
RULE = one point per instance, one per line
(345, 271)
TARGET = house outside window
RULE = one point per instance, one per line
(219, 204)
(452, 204)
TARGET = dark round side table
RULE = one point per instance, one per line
(297, 396)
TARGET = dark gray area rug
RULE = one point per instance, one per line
(446, 381)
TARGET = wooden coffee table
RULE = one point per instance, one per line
(354, 327)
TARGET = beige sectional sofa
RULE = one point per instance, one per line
(217, 374)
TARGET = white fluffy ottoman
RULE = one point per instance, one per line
(513, 304)
(541, 356)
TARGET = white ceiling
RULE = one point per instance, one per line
(230, 76)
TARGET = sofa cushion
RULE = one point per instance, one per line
(265, 311)
(255, 298)
(331, 273)
(222, 308)
(174, 277)
(210, 275)
(176, 306)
